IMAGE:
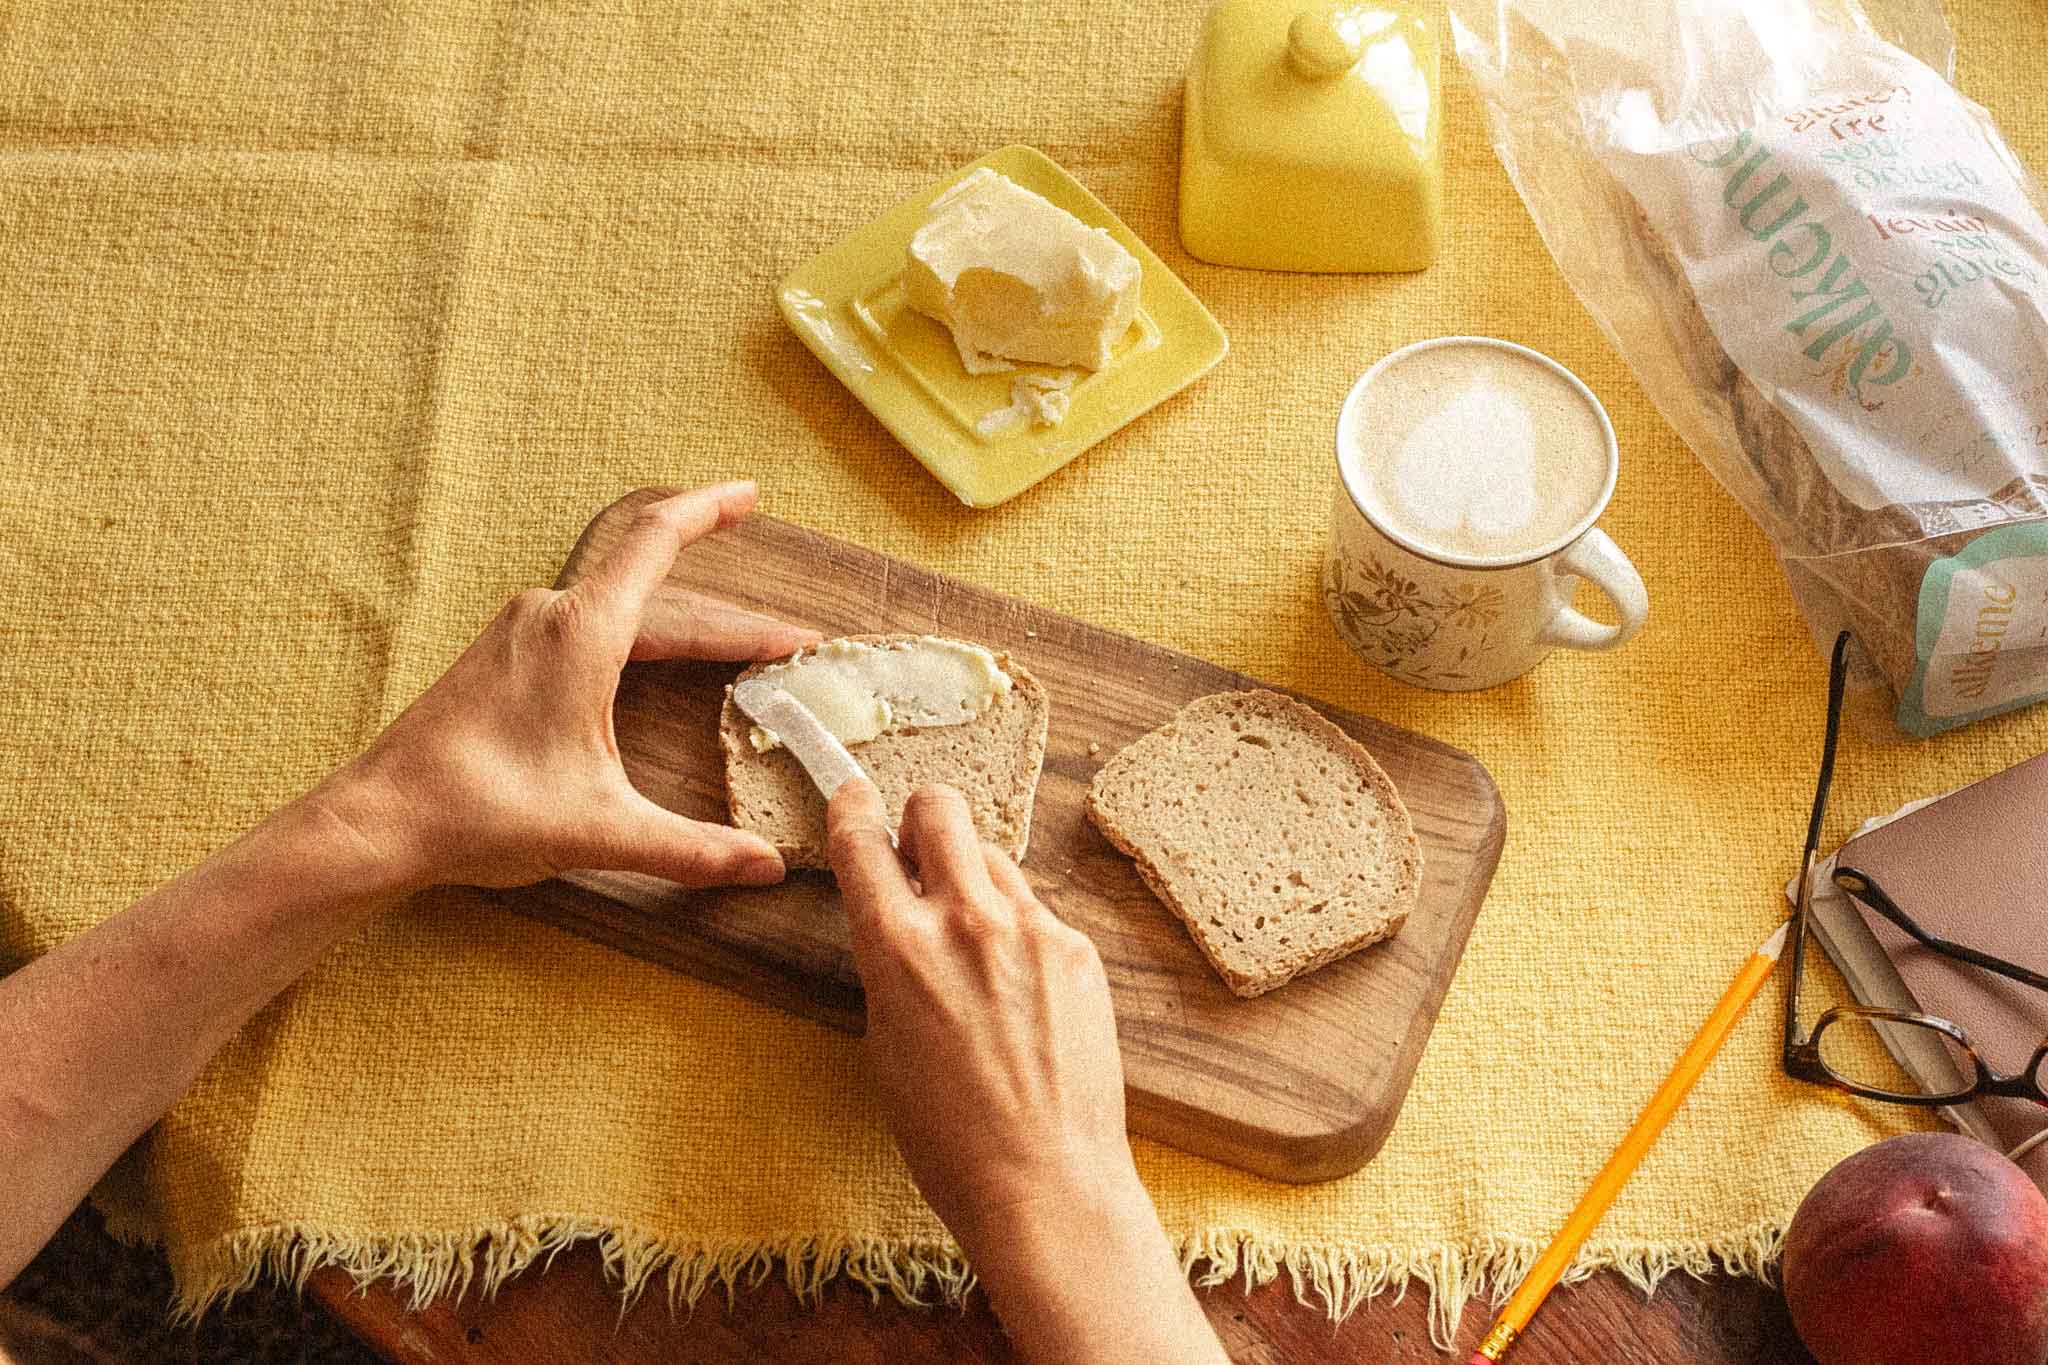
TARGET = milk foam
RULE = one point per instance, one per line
(1443, 482)
(1476, 450)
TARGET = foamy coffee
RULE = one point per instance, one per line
(1476, 451)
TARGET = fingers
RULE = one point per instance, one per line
(676, 624)
(938, 832)
(692, 853)
(626, 577)
(1006, 875)
(871, 877)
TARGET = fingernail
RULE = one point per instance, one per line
(763, 871)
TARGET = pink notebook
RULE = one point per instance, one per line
(1970, 867)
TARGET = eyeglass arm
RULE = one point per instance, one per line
(1838, 673)
(1866, 890)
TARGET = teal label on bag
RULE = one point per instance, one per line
(1982, 632)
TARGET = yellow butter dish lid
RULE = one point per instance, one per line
(990, 433)
(1311, 138)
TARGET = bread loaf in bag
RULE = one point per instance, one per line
(1831, 274)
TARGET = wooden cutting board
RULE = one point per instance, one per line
(1300, 1084)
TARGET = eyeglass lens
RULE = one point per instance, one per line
(1875, 1055)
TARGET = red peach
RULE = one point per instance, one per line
(1927, 1249)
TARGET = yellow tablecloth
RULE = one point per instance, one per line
(327, 325)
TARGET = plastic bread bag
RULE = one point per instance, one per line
(1831, 275)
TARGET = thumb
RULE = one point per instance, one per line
(691, 853)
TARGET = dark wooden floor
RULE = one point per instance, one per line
(570, 1314)
(87, 1299)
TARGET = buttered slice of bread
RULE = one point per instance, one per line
(1271, 833)
(993, 759)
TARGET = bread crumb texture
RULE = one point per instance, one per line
(993, 759)
(1274, 835)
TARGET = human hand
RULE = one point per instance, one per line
(989, 1030)
(993, 1045)
(506, 771)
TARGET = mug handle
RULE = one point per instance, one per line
(1598, 560)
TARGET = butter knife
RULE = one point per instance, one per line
(800, 732)
(803, 734)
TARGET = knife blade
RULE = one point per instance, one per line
(804, 735)
(800, 732)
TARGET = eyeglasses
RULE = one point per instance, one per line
(1847, 1046)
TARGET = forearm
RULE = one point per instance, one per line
(1093, 1280)
(504, 772)
(100, 1035)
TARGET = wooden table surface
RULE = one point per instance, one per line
(569, 1313)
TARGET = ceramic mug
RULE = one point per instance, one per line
(1455, 622)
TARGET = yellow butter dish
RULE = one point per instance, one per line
(992, 433)
(1312, 138)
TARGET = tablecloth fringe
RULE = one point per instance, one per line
(1336, 1278)
(1339, 1279)
(426, 1266)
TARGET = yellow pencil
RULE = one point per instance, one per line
(1529, 1297)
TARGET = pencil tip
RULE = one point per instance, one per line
(1775, 944)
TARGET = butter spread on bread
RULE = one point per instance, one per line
(859, 690)
(993, 758)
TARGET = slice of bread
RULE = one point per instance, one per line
(1269, 831)
(993, 759)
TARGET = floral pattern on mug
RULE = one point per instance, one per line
(1394, 620)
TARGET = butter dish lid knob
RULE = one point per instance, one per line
(1324, 41)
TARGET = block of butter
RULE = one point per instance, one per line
(1016, 277)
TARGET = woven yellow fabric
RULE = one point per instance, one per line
(327, 324)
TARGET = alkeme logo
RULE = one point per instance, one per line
(1838, 307)
(1972, 672)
